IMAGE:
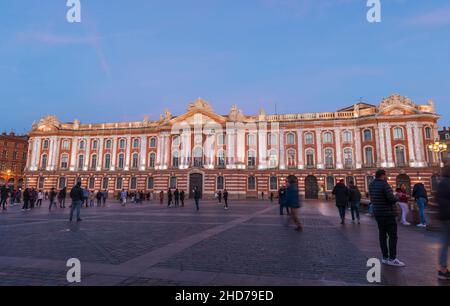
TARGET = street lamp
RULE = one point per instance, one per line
(439, 148)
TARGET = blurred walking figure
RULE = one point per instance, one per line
(282, 200)
(443, 199)
(225, 198)
(219, 196)
(77, 196)
(341, 193)
(33, 197)
(197, 196)
(421, 196)
(355, 201)
(123, 197)
(26, 199)
(86, 197)
(104, 197)
(3, 197)
(91, 199)
(62, 197)
(99, 197)
(271, 197)
(176, 195)
(169, 198)
(402, 195)
(161, 197)
(293, 202)
(384, 201)
(40, 197)
(182, 195)
(52, 197)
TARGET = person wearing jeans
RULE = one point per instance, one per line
(443, 199)
(341, 193)
(402, 195)
(76, 194)
(421, 196)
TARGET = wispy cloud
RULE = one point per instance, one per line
(437, 17)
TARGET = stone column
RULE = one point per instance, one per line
(319, 149)
(419, 146)
(240, 152)
(378, 147)
(231, 147)
(409, 134)
(100, 154)
(282, 151)
(114, 154)
(358, 148)
(143, 153)
(262, 141)
(390, 158)
(381, 129)
(301, 162)
(337, 133)
(127, 154)
(73, 154)
(87, 151)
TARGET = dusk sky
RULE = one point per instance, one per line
(128, 59)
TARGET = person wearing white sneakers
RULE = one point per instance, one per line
(402, 195)
(384, 201)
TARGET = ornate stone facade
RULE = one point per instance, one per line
(246, 154)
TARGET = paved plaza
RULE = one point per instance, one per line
(249, 244)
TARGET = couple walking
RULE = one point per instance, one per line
(345, 196)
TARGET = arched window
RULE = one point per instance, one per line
(428, 133)
(348, 157)
(108, 144)
(119, 183)
(273, 159)
(327, 137)
(291, 158)
(290, 139)
(91, 183)
(221, 158)
(122, 143)
(121, 161)
(272, 139)
(273, 183)
(105, 183)
(45, 144)
(175, 159)
(44, 161)
(329, 158)
(400, 158)
(150, 183)
(220, 183)
(61, 182)
(330, 183)
(309, 138)
(251, 158)
(198, 157)
(251, 183)
(152, 160)
(107, 164)
(95, 145)
(367, 135)
(398, 133)
(82, 144)
(251, 139)
(368, 155)
(41, 183)
(94, 161)
(80, 161)
(153, 142)
(347, 137)
(310, 161)
(64, 161)
(65, 144)
(173, 182)
(133, 183)
(135, 161)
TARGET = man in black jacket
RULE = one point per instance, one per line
(76, 194)
(384, 201)
(3, 196)
(443, 199)
(340, 191)
(421, 196)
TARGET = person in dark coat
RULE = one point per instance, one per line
(52, 197)
(354, 197)
(3, 196)
(282, 200)
(62, 197)
(293, 202)
(443, 199)
(176, 195)
(26, 199)
(421, 196)
(197, 197)
(384, 208)
(169, 198)
(182, 195)
(77, 196)
(33, 197)
(219, 196)
(225, 198)
(341, 193)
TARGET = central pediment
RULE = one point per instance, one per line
(199, 111)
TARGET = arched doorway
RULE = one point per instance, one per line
(195, 180)
(311, 188)
(404, 179)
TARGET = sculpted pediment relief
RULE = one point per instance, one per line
(47, 124)
(396, 105)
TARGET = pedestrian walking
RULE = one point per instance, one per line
(182, 195)
(355, 201)
(77, 196)
(52, 198)
(219, 196)
(262, 195)
(161, 197)
(225, 199)
(293, 202)
(123, 197)
(176, 195)
(169, 198)
(33, 198)
(62, 197)
(340, 192)
(3, 197)
(421, 196)
(91, 199)
(99, 197)
(282, 200)
(197, 197)
(402, 195)
(85, 197)
(26, 199)
(104, 197)
(443, 199)
(384, 201)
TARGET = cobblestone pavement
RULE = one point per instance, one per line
(249, 244)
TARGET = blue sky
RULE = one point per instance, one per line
(128, 59)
